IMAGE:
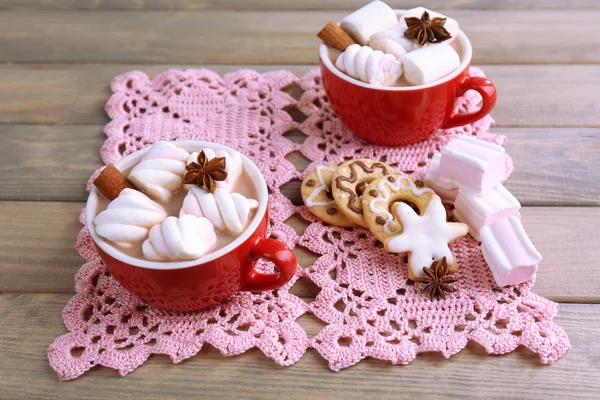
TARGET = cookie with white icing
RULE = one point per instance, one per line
(408, 217)
(316, 194)
(425, 237)
(351, 180)
(381, 194)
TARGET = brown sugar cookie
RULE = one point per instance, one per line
(316, 194)
(380, 196)
(409, 217)
(350, 180)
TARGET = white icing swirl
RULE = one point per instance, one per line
(370, 66)
(128, 218)
(400, 183)
(184, 238)
(160, 173)
(310, 200)
(425, 236)
(229, 212)
(233, 166)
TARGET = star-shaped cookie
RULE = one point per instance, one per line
(425, 237)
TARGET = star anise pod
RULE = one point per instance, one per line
(425, 30)
(437, 283)
(205, 173)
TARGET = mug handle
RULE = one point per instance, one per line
(486, 89)
(277, 252)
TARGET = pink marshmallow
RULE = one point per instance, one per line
(479, 211)
(442, 187)
(511, 256)
(472, 164)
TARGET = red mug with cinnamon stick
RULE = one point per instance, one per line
(397, 116)
(194, 284)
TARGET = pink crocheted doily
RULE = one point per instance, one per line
(365, 300)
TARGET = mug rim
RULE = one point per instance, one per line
(134, 158)
(466, 60)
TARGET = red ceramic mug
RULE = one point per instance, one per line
(196, 284)
(397, 116)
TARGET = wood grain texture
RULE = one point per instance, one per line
(76, 94)
(551, 164)
(273, 37)
(37, 240)
(48, 162)
(253, 5)
(551, 95)
(554, 166)
(31, 322)
(37, 245)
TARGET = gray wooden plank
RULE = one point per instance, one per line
(250, 5)
(529, 95)
(554, 166)
(48, 162)
(37, 240)
(32, 321)
(552, 95)
(550, 164)
(273, 37)
(69, 94)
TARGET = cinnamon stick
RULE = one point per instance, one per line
(335, 37)
(111, 181)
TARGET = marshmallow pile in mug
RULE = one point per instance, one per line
(385, 49)
(185, 206)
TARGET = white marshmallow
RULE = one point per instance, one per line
(368, 20)
(442, 187)
(160, 173)
(451, 25)
(128, 218)
(184, 238)
(473, 164)
(429, 63)
(233, 166)
(228, 212)
(507, 249)
(393, 41)
(370, 66)
(479, 211)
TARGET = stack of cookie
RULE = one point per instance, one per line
(404, 214)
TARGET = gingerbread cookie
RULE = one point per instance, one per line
(424, 234)
(425, 237)
(316, 194)
(350, 180)
(383, 193)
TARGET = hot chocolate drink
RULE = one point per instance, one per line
(187, 206)
(382, 47)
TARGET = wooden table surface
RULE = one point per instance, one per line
(57, 58)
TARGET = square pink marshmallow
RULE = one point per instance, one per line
(479, 211)
(511, 256)
(473, 164)
(443, 188)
